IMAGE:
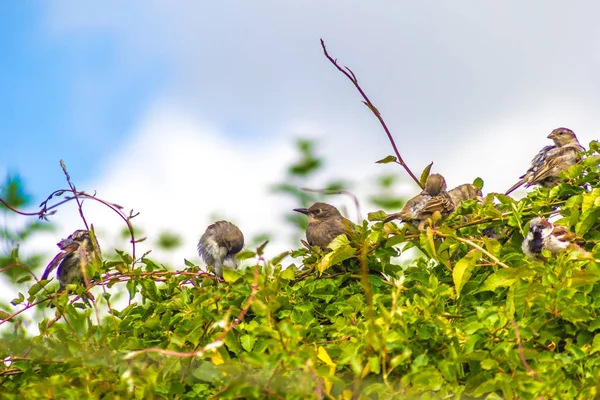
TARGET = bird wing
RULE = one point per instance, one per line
(53, 264)
(555, 161)
(442, 203)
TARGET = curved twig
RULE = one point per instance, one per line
(350, 75)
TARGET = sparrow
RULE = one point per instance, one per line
(76, 251)
(420, 208)
(465, 192)
(325, 223)
(543, 235)
(219, 244)
(552, 160)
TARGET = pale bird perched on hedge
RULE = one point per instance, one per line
(76, 252)
(325, 223)
(420, 208)
(465, 192)
(543, 235)
(547, 165)
(219, 244)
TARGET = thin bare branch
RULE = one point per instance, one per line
(523, 360)
(350, 75)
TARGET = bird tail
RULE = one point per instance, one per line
(515, 187)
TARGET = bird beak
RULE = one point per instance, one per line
(68, 245)
(302, 210)
(551, 136)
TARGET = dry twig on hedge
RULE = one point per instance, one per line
(350, 75)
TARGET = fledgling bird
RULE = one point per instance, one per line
(325, 223)
(76, 251)
(219, 244)
(420, 208)
(465, 192)
(543, 235)
(547, 165)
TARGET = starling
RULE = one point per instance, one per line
(76, 252)
(547, 165)
(219, 244)
(325, 223)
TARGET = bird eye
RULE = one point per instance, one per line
(318, 211)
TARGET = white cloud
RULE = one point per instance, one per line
(474, 87)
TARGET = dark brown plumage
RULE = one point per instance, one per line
(547, 165)
(76, 250)
(219, 244)
(325, 223)
(420, 208)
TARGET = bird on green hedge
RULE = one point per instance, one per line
(219, 244)
(465, 192)
(543, 235)
(420, 208)
(76, 252)
(325, 223)
(547, 165)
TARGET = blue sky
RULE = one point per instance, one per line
(64, 97)
(189, 113)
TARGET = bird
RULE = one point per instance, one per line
(543, 235)
(465, 192)
(325, 223)
(219, 244)
(420, 208)
(76, 252)
(547, 165)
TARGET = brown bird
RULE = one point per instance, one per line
(547, 165)
(543, 235)
(325, 223)
(420, 208)
(219, 244)
(76, 252)
(465, 192)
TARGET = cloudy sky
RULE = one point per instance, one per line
(187, 113)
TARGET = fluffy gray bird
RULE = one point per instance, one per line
(547, 165)
(219, 244)
(420, 208)
(76, 251)
(325, 223)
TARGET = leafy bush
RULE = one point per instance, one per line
(470, 317)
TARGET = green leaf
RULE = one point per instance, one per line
(587, 220)
(505, 277)
(188, 263)
(387, 160)
(231, 275)
(247, 342)
(462, 270)
(288, 274)
(377, 215)
(341, 251)
(478, 183)
(425, 174)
